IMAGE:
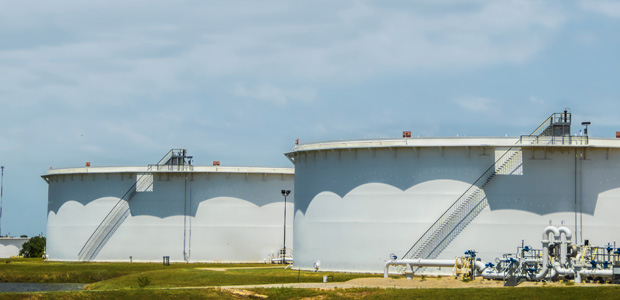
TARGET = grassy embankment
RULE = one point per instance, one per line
(122, 281)
(106, 276)
(551, 293)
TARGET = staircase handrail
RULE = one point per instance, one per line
(454, 205)
(125, 197)
(166, 157)
(550, 118)
(458, 201)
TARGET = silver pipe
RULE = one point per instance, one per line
(417, 263)
(600, 273)
(566, 236)
(545, 245)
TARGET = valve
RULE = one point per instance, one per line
(511, 260)
(470, 253)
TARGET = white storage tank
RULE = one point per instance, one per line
(188, 213)
(10, 246)
(358, 201)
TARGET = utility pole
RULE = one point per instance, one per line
(1, 190)
(285, 193)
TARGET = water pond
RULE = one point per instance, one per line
(18, 287)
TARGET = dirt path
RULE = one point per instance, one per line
(239, 268)
(416, 283)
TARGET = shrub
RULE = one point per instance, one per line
(34, 247)
(143, 281)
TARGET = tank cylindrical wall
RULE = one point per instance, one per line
(356, 206)
(10, 246)
(210, 216)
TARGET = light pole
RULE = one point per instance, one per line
(1, 189)
(585, 131)
(285, 193)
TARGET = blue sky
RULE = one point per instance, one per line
(121, 82)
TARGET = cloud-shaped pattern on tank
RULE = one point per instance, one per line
(148, 238)
(7, 251)
(374, 213)
(377, 200)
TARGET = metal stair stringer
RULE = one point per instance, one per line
(467, 207)
(175, 159)
(109, 225)
(464, 210)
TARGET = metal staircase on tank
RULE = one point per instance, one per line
(468, 205)
(174, 159)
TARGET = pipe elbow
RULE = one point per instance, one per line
(558, 268)
(480, 266)
(553, 230)
(542, 273)
(566, 231)
(386, 267)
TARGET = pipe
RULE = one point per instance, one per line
(488, 274)
(480, 266)
(562, 271)
(551, 229)
(554, 268)
(565, 235)
(599, 273)
(288, 260)
(545, 245)
(417, 263)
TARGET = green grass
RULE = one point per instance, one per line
(38, 270)
(129, 294)
(155, 281)
(194, 277)
(556, 293)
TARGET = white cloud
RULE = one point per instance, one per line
(353, 45)
(98, 54)
(604, 7)
(537, 100)
(275, 95)
(356, 13)
(477, 104)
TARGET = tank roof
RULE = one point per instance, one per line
(521, 142)
(166, 169)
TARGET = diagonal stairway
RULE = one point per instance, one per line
(466, 207)
(110, 223)
(459, 214)
(120, 211)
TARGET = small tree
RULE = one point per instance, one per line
(34, 247)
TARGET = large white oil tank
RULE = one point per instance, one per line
(358, 201)
(10, 246)
(188, 213)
